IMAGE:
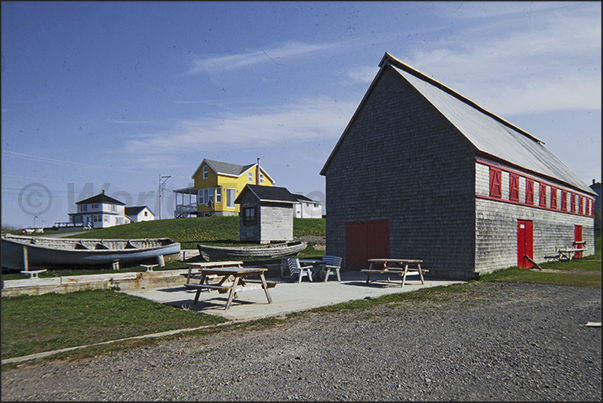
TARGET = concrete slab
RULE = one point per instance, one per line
(286, 297)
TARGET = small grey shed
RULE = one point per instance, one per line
(266, 214)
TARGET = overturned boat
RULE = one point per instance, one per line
(270, 250)
(33, 253)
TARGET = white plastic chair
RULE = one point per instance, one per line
(296, 269)
(330, 267)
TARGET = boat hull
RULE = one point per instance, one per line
(44, 253)
(273, 250)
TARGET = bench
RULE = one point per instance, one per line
(33, 273)
(221, 288)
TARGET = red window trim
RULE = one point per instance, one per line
(514, 186)
(495, 182)
(530, 191)
(541, 194)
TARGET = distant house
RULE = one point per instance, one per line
(139, 213)
(307, 208)
(437, 177)
(100, 211)
(216, 186)
(266, 214)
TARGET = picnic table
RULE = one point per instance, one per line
(240, 280)
(387, 267)
(197, 266)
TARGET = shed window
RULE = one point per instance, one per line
(553, 198)
(495, 175)
(542, 194)
(249, 215)
(514, 187)
(529, 191)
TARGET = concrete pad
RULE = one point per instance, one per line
(287, 297)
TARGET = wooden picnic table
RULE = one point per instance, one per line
(386, 266)
(240, 279)
(569, 253)
(208, 265)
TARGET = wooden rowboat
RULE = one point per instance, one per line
(33, 253)
(270, 250)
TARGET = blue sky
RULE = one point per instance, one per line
(111, 95)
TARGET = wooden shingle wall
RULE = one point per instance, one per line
(402, 161)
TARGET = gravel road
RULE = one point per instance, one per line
(498, 341)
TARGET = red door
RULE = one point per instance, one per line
(578, 240)
(525, 243)
(365, 240)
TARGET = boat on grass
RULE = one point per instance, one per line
(36, 253)
(269, 250)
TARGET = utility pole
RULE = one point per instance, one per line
(160, 191)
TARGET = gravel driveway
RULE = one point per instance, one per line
(498, 341)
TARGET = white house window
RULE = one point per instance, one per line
(200, 196)
(106, 218)
(83, 207)
(205, 172)
(113, 207)
(250, 176)
(218, 195)
(145, 214)
(261, 178)
(230, 198)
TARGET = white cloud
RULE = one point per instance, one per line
(274, 55)
(362, 74)
(551, 68)
(312, 119)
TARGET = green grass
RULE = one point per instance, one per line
(32, 324)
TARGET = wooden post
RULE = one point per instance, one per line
(25, 259)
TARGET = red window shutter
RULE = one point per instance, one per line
(581, 205)
(513, 187)
(573, 202)
(563, 200)
(495, 175)
(553, 198)
(529, 191)
(542, 194)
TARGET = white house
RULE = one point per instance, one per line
(100, 211)
(306, 207)
(139, 213)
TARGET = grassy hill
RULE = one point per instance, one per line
(190, 231)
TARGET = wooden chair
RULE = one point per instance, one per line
(300, 271)
(331, 267)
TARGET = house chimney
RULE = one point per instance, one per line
(257, 175)
(103, 191)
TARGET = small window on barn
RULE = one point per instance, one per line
(529, 191)
(553, 198)
(249, 216)
(563, 200)
(205, 172)
(573, 202)
(514, 187)
(542, 195)
(495, 175)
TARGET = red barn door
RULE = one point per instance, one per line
(578, 240)
(365, 240)
(525, 243)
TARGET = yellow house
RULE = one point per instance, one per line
(219, 183)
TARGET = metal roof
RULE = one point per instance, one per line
(494, 136)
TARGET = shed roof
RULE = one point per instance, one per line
(490, 134)
(101, 198)
(268, 194)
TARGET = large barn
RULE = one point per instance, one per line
(422, 172)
